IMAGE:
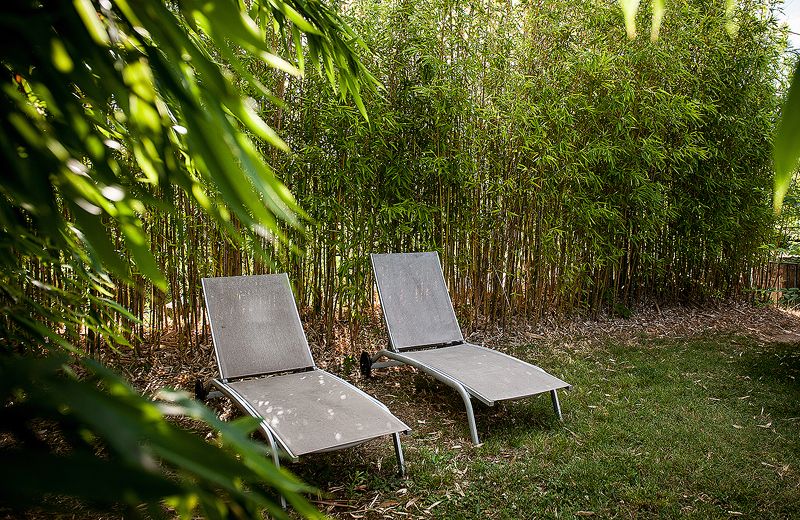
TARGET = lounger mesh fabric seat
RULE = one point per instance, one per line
(416, 304)
(424, 332)
(487, 374)
(258, 335)
(255, 325)
(316, 411)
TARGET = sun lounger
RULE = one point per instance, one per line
(267, 370)
(424, 333)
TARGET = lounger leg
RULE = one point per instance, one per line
(244, 406)
(556, 404)
(398, 450)
(449, 381)
(473, 428)
(277, 460)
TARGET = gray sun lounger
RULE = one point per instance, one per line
(424, 333)
(267, 370)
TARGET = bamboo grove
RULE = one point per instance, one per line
(556, 165)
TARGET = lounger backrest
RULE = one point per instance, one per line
(255, 325)
(415, 301)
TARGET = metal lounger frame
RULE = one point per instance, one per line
(397, 358)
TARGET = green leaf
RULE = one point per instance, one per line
(61, 59)
(629, 10)
(29, 475)
(254, 122)
(98, 240)
(295, 17)
(786, 149)
(91, 21)
(146, 263)
(658, 17)
(146, 459)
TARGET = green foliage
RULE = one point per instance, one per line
(111, 112)
(786, 146)
(787, 142)
(112, 107)
(107, 445)
(555, 164)
(790, 297)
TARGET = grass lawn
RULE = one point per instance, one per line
(704, 428)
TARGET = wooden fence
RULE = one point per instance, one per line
(778, 276)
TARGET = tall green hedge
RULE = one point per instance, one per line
(555, 164)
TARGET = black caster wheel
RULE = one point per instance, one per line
(366, 365)
(200, 390)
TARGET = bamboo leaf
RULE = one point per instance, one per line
(29, 475)
(146, 263)
(786, 148)
(93, 231)
(629, 10)
(93, 24)
(658, 17)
